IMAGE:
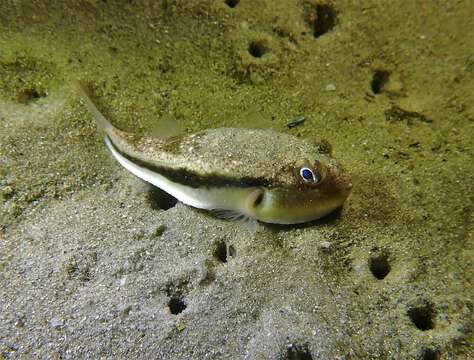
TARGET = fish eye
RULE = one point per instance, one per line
(309, 175)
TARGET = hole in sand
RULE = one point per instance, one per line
(232, 3)
(176, 293)
(422, 316)
(430, 354)
(222, 251)
(176, 305)
(321, 18)
(160, 200)
(379, 266)
(296, 352)
(379, 80)
(257, 49)
(29, 95)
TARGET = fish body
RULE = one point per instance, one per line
(238, 173)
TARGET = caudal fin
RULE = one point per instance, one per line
(101, 121)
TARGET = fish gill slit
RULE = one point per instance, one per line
(258, 199)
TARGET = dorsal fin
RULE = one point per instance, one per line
(166, 127)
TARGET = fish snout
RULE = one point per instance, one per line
(342, 181)
(345, 185)
(349, 186)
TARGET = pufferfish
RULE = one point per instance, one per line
(248, 174)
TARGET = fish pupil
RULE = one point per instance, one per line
(307, 174)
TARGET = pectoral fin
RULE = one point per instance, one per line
(231, 215)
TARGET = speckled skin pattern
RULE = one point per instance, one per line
(229, 152)
(250, 158)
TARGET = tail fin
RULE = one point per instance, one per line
(102, 122)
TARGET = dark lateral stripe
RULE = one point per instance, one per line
(192, 179)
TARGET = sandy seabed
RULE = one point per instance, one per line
(96, 264)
